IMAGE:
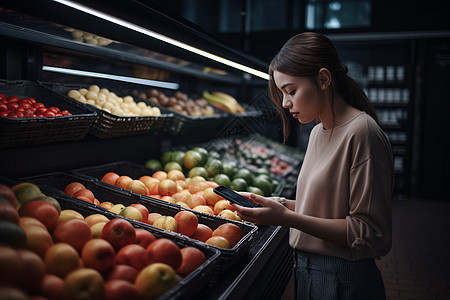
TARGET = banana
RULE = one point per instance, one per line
(227, 103)
(230, 98)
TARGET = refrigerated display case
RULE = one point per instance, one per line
(56, 44)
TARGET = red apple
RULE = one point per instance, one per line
(43, 211)
(10, 292)
(144, 237)
(52, 287)
(84, 284)
(154, 280)
(123, 181)
(132, 255)
(219, 241)
(35, 271)
(124, 272)
(75, 232)
(61, 259)
(203, 233)
(38, 239)
(72, 188)
(192, 258)
(137, 186)
(222, 205)
(98, 254)
(186, 222)
(165, 251)
(167, 223)
(121, 289)
(119, 233)
(12, 267)
(152, 217)
(143, 210)
(110, 178)
(9, 212)
(231, 232)
(7, 193)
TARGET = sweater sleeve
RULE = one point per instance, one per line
(369, 223)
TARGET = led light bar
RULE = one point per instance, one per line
(163, 38)
(162, 84)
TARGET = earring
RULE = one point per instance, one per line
(323, 86)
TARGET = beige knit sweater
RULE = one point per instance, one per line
(347, 174)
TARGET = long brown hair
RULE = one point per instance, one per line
(304, 55)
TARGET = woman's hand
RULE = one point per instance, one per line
(272, 212)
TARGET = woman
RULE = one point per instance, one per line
(341, 218)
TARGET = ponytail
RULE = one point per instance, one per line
(352, 92)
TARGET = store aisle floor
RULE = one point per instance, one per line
(418, 265)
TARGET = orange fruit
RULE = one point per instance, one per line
(110, 178)
(176, 175)
(160, 175)
(211, 197)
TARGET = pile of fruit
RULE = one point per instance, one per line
(212, 167)
(111, 103)
(89, 38)
(223, 101)
(260, 156)
(14, 107)
(195, 192)
(49, 253)
(179, 102)
(184, 222)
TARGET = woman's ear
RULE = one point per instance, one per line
(324, 79)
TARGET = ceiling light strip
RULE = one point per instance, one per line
(161, 84)
(163, 38)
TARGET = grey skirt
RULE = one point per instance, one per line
(328, 277)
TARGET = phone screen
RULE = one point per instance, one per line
(234, 197)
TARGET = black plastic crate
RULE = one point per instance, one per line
(56, 182)
(27, 131)
(201, 124)
(108, 125)
(128, 168)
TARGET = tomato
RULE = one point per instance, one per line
(13, 99)
(3, 107)
(54, 109)
(24, 103)
(49, 114)
(28, 112)
(40, 111)
(66, 113)
(32, 100)
(19, 109)
(12, 105)
(3, 97)
(4, 114)
(16, 115)
(38, 104)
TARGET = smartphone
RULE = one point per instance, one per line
(234, 197)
